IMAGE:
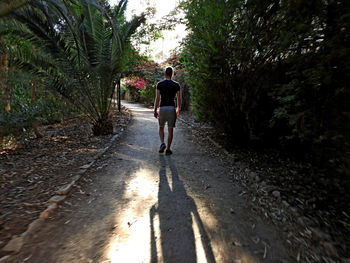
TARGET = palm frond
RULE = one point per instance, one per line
(80, 47)
(120, 9)
(8, 6)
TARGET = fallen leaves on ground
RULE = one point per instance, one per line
(287, 192)
(36, 168)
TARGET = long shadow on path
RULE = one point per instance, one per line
(176, 211)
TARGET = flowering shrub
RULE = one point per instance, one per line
(142, 82)
(137, 83)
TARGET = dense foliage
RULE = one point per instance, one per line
(80, 51)
(31, 104)
(277, 71)
(25, 99)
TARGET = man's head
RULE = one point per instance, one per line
(169, 72)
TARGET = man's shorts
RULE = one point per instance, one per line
(167, 114)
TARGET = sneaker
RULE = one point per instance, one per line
(168, 152)
(162, 147)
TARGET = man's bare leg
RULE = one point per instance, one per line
(161, 134)
(170, 137)
(161, 137)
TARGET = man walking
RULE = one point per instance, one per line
(165, 94)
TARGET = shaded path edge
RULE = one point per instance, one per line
(16, 243)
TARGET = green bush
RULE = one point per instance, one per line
(148, 94)
(45, 112)
(141, 82)
(45, 108)
(274, 71)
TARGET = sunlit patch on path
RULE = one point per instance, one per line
(132, 241)
(160, 223)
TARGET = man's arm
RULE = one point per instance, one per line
(178, 96)
(156, 103)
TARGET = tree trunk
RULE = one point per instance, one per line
(33, 89)
(4, 89)
(102, 127)
(35, 122)
(118, 90)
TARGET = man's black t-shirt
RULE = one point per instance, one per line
(168, 89)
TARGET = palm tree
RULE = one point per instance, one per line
(81, 47)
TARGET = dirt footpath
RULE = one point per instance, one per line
(136, 205)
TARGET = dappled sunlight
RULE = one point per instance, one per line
(132, 244)
(142, 186)
(200, 252)
(205, 222)
(210, 221)
(136, 109)
(207, 229)
(161, 223)
(132, 240)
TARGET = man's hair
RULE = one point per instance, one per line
(169, 71)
